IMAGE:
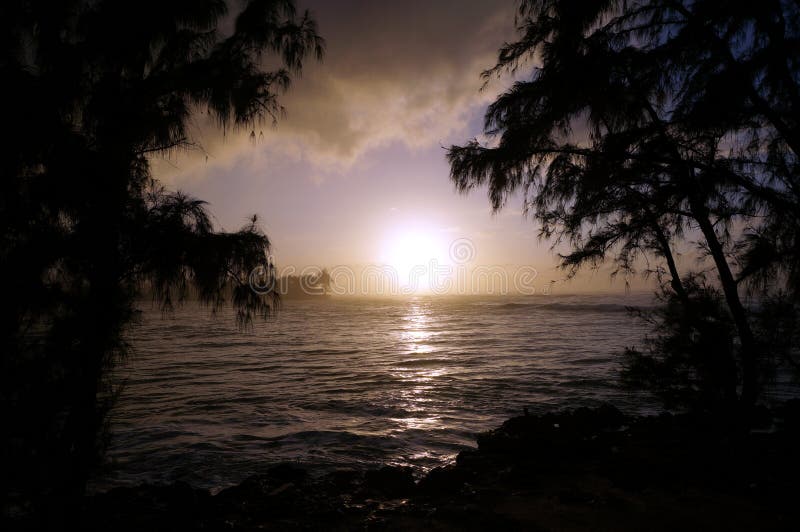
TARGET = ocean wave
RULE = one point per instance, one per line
(353, 382)
(573, 307)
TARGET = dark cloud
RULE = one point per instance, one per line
(405, 72)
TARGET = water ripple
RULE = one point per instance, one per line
(338, 382)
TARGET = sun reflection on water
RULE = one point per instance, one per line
(419, 374)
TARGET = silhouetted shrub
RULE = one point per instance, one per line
(690, 361)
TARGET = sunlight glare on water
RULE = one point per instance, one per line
(334, 383)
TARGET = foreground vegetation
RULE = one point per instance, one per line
(95, 89)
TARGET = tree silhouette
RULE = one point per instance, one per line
(92, 89)
(643, 123)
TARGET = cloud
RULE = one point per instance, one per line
(394, 72)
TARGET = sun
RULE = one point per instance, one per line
(413, 254)
(409, 249)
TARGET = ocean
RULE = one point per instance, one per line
(356, 383)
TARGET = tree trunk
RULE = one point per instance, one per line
(730, 289)
(675, 281)
(701, 214)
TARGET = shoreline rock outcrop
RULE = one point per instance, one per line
(583, 469)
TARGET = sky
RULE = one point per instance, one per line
(355, 173)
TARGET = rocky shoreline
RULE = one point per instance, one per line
(585, 469)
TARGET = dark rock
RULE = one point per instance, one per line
(575, 496)
(287, 473)
(344, 479)
(446, 480)
(391, 481)
(573, 470)
(559, 434)
(148, 507)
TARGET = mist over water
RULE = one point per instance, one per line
(356, 382)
